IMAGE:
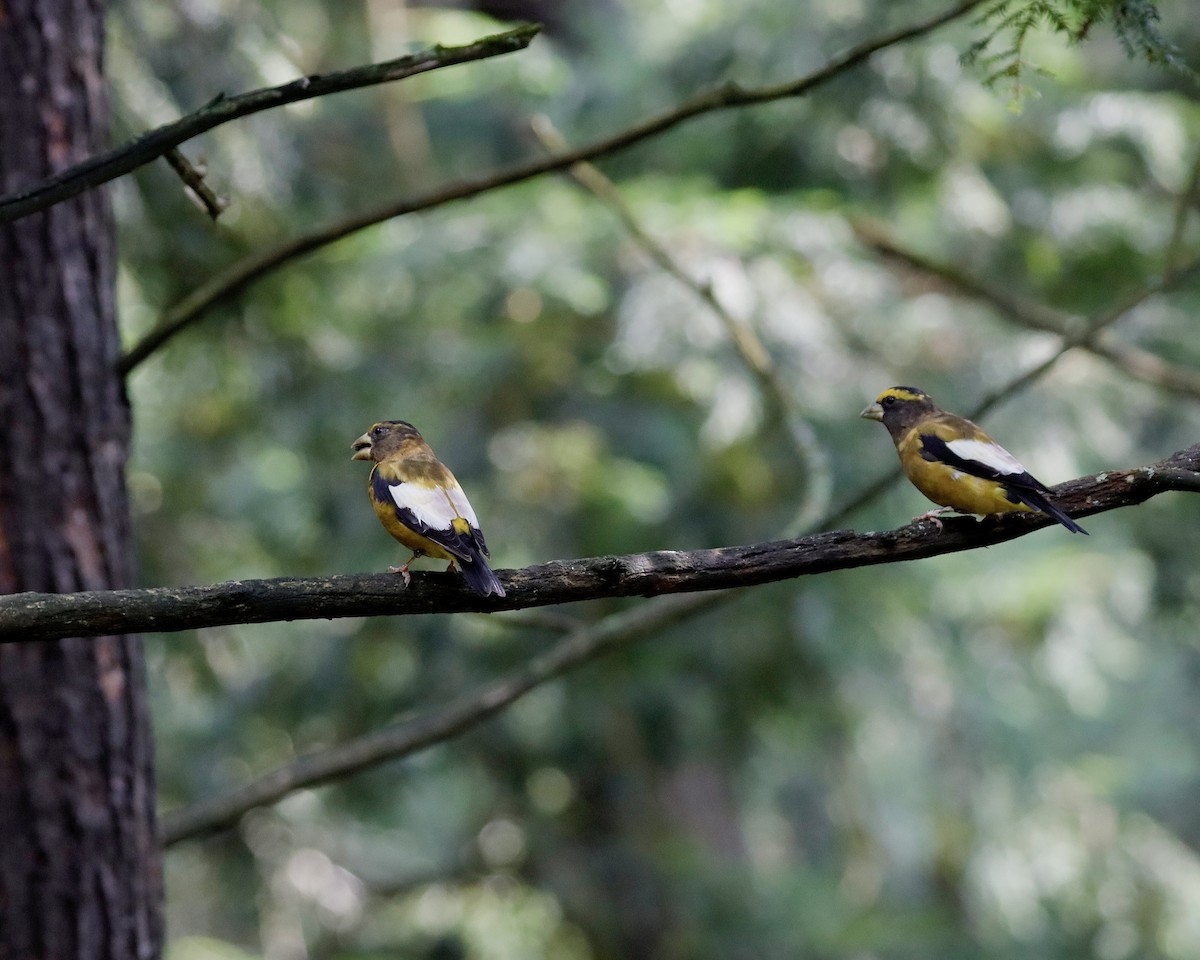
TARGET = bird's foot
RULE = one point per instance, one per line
(934, 516)
(451, 568)
(403, 571)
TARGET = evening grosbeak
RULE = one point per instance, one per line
(419, 502)
(956, 464)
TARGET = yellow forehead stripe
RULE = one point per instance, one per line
(902, 393)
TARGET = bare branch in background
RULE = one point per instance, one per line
(1076, 331)
(252, 268)
(434, 726)
(156, 143)
(193, 179)
(818, 483)
(1185, 204)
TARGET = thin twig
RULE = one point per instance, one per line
(1035, 316)
(1183, 208)
(246, 271)
(749, 346)
(155, 143)
(1075, 330)
(193, 179)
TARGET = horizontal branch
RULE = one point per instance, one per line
(38, 616)
(248, 270)
(158, 142)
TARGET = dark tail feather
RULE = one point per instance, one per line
(1031, 498)
(479, 576)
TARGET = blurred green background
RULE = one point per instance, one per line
(992, 754)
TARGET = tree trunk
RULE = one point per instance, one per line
(80, 870)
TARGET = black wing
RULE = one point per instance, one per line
(1021, 487)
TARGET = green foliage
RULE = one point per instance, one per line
(1135, 23)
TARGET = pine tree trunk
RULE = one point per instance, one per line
(80, 870)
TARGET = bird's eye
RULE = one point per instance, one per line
(377, 431)
(889, 401)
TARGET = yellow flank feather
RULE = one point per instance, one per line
(418, 544)
(955, 464)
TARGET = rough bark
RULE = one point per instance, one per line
(80, 873)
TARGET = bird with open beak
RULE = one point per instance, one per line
(419, 502)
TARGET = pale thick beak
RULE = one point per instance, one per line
(362, 448)
(873, 412)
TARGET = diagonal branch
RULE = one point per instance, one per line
(435, 726)
(252, 268)
(1185, 202)
(193, 179)
(158, 142)
(40, 616)
(818, 481)
(1075, 330)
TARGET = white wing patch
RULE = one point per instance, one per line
(436, 507)
(459, 502)
(991, 455)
